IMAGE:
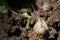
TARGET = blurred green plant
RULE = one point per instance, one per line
(3, 9)
(26, 12)
(3, 6)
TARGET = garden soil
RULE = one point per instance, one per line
(12, 26)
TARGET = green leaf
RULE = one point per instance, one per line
(3, 9)
(24, 10)
(26, 15)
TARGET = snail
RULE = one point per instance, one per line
(40, 26)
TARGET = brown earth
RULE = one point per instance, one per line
(12, 26)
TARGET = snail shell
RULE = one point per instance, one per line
(40, 26)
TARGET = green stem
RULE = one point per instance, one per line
(27, 25)
(28, 19)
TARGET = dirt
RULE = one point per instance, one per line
(12, 26)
